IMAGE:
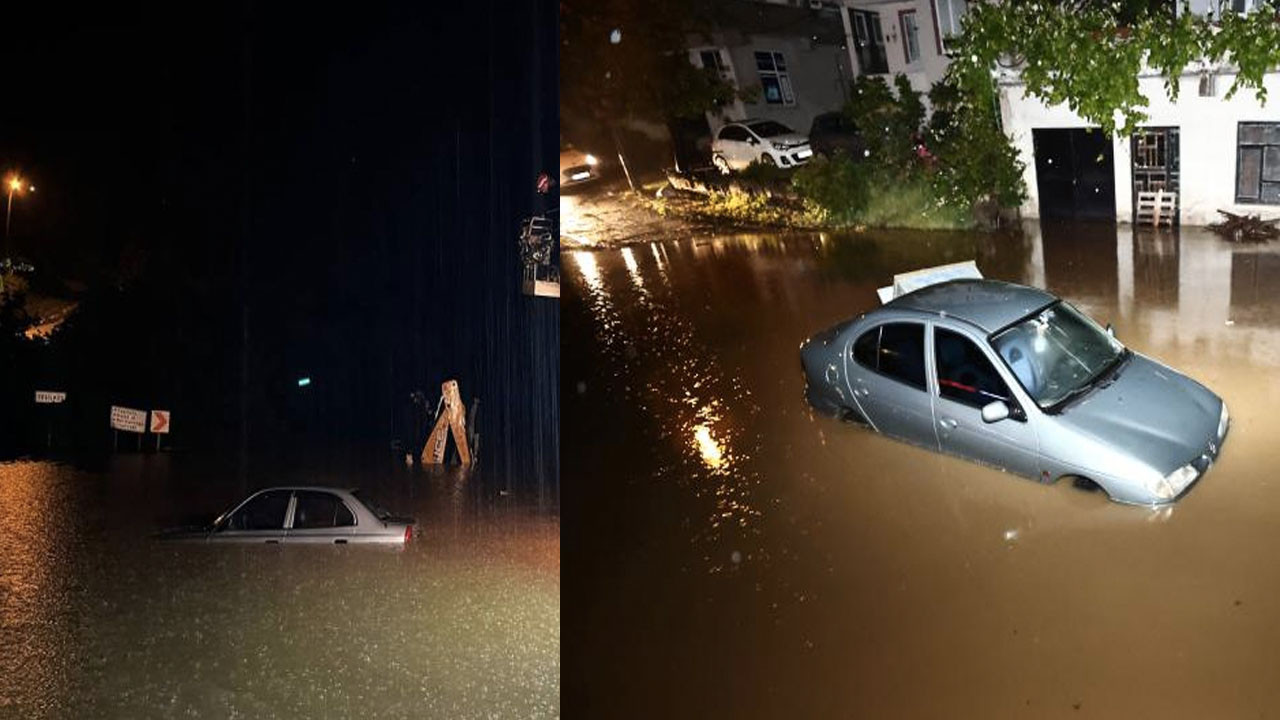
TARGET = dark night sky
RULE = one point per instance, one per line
(350, 180)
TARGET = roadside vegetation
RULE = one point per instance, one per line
(953, 170)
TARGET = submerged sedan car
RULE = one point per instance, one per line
(294, 515)
(1013, 377)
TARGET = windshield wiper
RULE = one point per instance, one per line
(1103, 379)
(1112, 371)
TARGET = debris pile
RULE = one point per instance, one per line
(1246, 228)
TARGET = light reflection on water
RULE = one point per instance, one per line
(707, 445)
(689, 397)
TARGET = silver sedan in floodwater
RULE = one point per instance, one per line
(1016, 378)
(302, 515)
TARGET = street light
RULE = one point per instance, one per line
(15, 185)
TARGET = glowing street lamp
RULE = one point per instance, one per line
(15, 184)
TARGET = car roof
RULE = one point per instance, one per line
(988, 304)
(320, 488)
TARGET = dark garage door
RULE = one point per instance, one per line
(1074, 174)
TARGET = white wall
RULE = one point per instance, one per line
(1207, 127)
(924, 72)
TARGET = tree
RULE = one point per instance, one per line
(621, 59)
(1089, 55)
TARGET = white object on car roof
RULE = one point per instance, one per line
(904, 283)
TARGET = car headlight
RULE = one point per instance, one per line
(779, 146)
(1170, 485)
(1223, 421)
(591, 160)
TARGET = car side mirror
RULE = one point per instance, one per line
(1110, 330)
(995, 411)
(753, 141)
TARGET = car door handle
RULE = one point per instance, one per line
(340, 541)
(948, 423)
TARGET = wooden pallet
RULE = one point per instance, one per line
(1156, 208)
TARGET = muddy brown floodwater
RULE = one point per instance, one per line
(734, 554)
(99, 621)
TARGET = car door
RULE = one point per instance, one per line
(319, 517)
(968, 378)
(736, 147)
(260, 519)
(752, 146)
(886, 373)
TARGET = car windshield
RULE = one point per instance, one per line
(769, 128)
(1057, 353)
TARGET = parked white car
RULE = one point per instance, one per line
(738, 144)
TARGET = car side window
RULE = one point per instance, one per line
(866, 347)
(733, 132)
(895, 350)
(965, 375)
(902, 353)
(264, 512)
(320, 510)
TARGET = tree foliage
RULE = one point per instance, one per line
(889, 120)
(975, 163)
(1090, 57)
(623, 59)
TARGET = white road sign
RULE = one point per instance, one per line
(128, 419)
(50, 397)
(159, 422)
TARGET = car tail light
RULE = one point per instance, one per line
(408, 533)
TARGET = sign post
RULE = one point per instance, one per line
(129, 420)
(49, 397)
(159, 425)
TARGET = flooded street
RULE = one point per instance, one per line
(98, 620)
(739, 555)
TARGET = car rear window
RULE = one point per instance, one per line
(320, 510)
(895, 350)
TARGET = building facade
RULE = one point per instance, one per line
(888, 37)
(788, 57)
(1209, 152)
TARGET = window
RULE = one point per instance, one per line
(320, 510)
(910, 35)
(734, 132)
(769, 128)
(774, 79)
(947, 15)
(868, 42)
(1258, 163)
(715, 59)
(864, 350)
(263, 512)
(965, 375)
(895, 350)
(1058, 353)
(902, 353)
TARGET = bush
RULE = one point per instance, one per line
(765, 173)
(889, 121)
(834, 189)
(913, 203)
(976, 164)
